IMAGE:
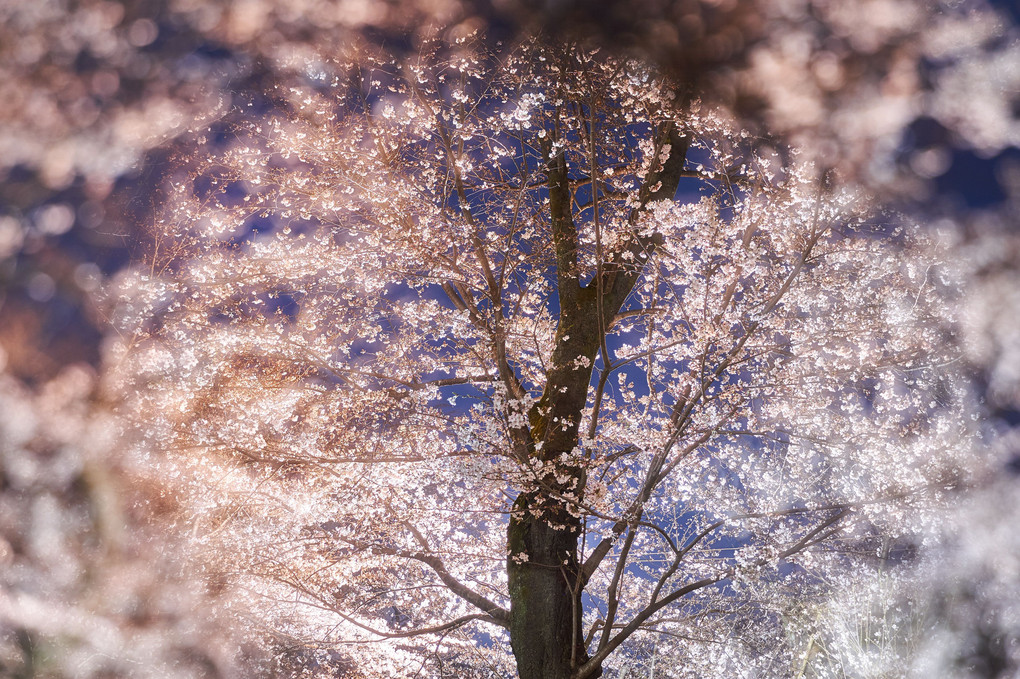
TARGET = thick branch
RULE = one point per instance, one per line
(621, 273)
(498, 613)
(563, 230)
(594, 665)
(434, 629)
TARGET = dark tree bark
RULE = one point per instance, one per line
(545, 620)
(545, 577)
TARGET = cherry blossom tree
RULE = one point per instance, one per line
(526, 361)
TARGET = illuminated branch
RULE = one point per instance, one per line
(497, 612)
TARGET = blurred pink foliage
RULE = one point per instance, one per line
(92, 579)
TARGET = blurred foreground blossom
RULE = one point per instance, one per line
(90, 586)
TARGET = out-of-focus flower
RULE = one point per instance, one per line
(90, 586)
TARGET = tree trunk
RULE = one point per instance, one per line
(542, 564)
(546, 634)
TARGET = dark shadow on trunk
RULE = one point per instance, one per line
(545, 618)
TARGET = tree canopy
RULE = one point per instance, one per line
(523, 360)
